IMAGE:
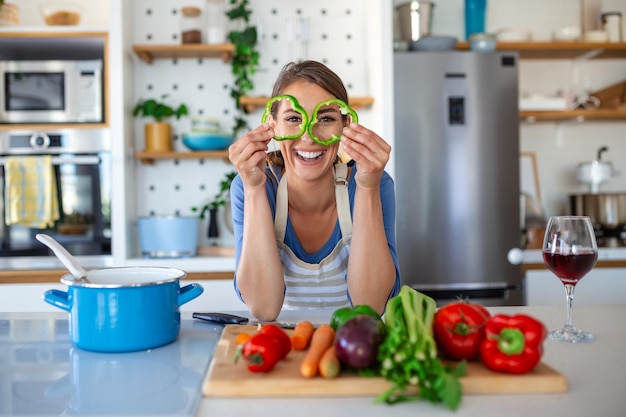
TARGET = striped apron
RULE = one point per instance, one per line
(323, 285)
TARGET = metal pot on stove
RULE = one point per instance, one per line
(607, 210)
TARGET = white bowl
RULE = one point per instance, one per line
(596, 36)
(568, 34)
(513, 35)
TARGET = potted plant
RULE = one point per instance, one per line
(220, 199)
(245, 59)
(158, 134)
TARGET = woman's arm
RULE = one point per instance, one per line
(371, 268)
(259, 274)
(259, 271)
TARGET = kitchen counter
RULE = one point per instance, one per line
(41, 374)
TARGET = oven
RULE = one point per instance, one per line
(81, 166)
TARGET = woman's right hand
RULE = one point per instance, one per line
(248, 153)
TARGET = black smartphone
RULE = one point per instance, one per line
(221, 318)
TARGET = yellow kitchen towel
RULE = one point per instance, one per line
(30, 191)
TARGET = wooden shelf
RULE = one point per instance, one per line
(577, 115)
(149, 157)
(149, 53)
(251, 103)
(560, 50)
(53, 126)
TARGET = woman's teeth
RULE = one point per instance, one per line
(309, 155)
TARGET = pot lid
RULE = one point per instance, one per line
(133, 276)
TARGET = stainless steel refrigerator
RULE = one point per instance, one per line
(457, 174)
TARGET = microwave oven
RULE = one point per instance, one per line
(51, 92)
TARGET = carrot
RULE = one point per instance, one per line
(322, 339)
(301, 335)
(242, 338)
(329, 363)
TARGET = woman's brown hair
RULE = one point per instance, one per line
(308, 71)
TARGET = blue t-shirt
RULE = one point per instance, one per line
(388, 199)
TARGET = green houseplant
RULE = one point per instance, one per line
(245, 57)
(158, 134)
(220, 199)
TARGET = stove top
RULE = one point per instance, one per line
(611, 238)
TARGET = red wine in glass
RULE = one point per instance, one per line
(572, 267)
(570, 251)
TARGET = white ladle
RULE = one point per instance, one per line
(64, 256)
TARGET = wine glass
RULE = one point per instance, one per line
(570, 251)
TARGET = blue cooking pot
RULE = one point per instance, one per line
(124, 309)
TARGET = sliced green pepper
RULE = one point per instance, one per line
(296, 106)
(344, 314)
(344, 108)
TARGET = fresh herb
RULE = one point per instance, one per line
(408, 356)
(245, 58)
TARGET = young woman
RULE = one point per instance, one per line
(310, 231)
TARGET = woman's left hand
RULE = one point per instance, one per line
(369, 151)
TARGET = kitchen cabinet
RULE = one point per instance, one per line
(600, 286)
(566, 50)
(218, 295)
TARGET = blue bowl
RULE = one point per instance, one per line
(206, 141)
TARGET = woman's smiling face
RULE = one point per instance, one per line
(304, 157)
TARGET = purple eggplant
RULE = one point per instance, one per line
(357, 342)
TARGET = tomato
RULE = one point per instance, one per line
(262, 352)
(280, 335)
(459, 329)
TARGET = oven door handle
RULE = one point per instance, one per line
(77, 160)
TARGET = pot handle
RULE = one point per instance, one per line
(57, 298)
(188, 293)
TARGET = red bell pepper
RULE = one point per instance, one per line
(512, 344)
(279, 334)
(262, 352)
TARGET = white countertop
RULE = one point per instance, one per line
(36, 347)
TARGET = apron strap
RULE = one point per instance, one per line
(282, 207)
(340, 173)
(343, 199)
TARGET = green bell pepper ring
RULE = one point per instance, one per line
(344, 108)
(344, 314)
(296, 106)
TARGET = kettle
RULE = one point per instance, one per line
(595, 172)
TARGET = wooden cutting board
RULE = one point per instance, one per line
(227, 379)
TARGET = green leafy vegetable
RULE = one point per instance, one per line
(408, 356)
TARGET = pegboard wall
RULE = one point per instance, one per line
(289, 30)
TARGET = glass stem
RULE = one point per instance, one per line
(569, 297)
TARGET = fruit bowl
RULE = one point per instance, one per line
(207, 141)
(58, 13)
